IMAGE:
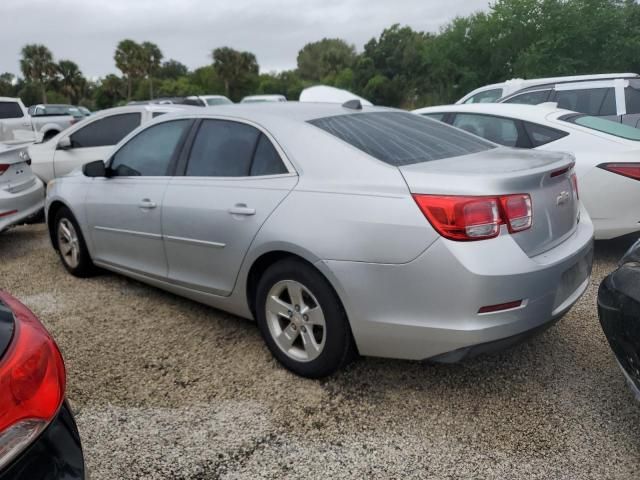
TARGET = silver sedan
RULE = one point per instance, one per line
(339, 229)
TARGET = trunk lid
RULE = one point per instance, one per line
(15, 171)
(545, 176)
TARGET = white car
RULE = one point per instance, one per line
(607, 153)
(494, 92)
(263, 98)
(328, 94)
(92, 139)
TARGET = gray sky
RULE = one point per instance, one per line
(87, 31)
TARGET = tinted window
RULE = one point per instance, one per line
(435, 116)
(10, 110)
(266, 160)
(608, 106)
(157, 114)
(105, 132)
(588, 100)
(606, 126)
(222, 149)
(541, 135)
(399, 138)
(488, 96)
(218, 101)
(150, 152)
(499, 130)
(632, 96)
(530, 98)
(193, 101)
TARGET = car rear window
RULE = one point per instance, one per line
(605, 126)
(399, 138)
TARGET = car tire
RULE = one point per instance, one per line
(71, 246)
(302, 319)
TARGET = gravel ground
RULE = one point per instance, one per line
(166, 388)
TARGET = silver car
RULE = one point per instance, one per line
(338, 228)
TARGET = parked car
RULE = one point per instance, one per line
(17, 126)
(21, 192)
(328, 94)
(51, 119)
(607, 153)
(612, 96)
(90, 140)
(619, 311)
(85, 111)
(39, 439)
(416, 245)
(207, 100)
(263, 98)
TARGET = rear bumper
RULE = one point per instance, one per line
(26, 203)
(55, 455)
(429, 307)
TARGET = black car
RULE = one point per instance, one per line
(619, 311)
(38, 436)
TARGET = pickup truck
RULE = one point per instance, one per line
(50, 120)
(17, 126)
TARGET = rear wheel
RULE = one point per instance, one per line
(71, 245)
(302, 320)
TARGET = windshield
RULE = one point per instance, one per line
(218, 101)
(605, 126)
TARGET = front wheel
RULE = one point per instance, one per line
(71, 245)
(302, 320)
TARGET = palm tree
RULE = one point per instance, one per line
(71, 80)
(151, 58)
(128, 59)
(37, 66)
(234, 67)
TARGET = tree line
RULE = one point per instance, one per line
(401, 67)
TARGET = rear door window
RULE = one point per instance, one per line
(399, 138)
(530, 98)
(541, 135)
(435, 116)
(10, 110)
(503, 131)
(588, 100)
(106, 131)
(632, 97)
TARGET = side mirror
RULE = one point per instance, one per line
(94, 169)
(64, 143)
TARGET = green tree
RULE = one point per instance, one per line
(128, 58)
(151, 56)
(110, 91)
(238, 71)
(37, 66)
(325, 58)
(71, 80)
(172, 69)
(7, 84)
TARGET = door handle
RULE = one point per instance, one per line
(242, 209)
(147, 204)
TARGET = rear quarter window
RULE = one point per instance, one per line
(399, 138)
(603, 125)
(541, 135)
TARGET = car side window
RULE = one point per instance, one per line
(106, 131)
(266, 160)
(632, 97)
(530, 98)
(587, 100)
(150, 152)
(222, 149)
(435, 116)
(503, 131)
(10, 110)
(488, 96)
(541, 135)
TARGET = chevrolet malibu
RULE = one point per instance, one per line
(338, 228)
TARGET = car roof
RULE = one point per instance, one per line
(534, 113)
(9, 99)
(167, 108)
(274, 95)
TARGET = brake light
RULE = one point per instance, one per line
(630, 170)
(32, 382)
(4, 167)
(466, 218)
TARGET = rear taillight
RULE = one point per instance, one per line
(631, 170)
(3, 168)
(32, 382)
(574, 182)
(476, 218)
